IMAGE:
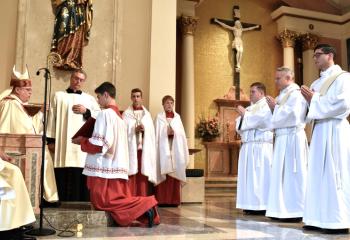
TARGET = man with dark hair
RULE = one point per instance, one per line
(107, 165)
(69, 110)
(289, 165)
(142, 148)
(255, 156)
(327, 204)
(172, 154)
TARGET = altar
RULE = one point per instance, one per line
(222, 153)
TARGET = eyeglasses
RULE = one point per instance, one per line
(317, 55)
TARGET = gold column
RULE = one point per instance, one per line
(287, 38)
(188, 26)
(310, 72)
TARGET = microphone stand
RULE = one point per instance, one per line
(42, 231)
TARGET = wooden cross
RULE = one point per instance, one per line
(237, 27)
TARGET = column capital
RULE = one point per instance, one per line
(309, 41)
(188, 24)
(287, 38)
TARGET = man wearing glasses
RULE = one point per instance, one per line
(327, 205)
(68, 112)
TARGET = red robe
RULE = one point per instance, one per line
(168, 192)
(114, 196)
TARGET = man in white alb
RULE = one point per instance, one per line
(327, 204)
(289, 165)
(255, 156)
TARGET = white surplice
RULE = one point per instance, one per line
(109, 133)
(255, 156)
(289, 165)
(172, 156)
(328, 189)
(14, 119)
(15, 207)
(63, 123)
(149, 166)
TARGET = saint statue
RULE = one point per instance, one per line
(237, 42)
(73, 20)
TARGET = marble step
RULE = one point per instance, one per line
(69, 214)
(220, 194)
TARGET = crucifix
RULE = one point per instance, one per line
(237, 27)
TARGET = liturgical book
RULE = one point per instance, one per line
(87, 129)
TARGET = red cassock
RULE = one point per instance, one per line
(114, 196)
(168, 192)
(138, 182)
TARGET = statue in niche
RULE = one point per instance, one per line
(237, 42)
(73, 21)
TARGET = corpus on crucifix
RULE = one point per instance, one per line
(237, 27)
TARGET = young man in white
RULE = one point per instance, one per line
(289, 165)
(172, 154)
(107, 165)
(69, 111)
(327, 204)
(255, 156)
(142, 148)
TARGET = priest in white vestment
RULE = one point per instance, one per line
(327, 204)
(15, 207)
(69, 111)
(255, 156)
(289, 165)
(172, 154)
(142, 146)
(14, 119)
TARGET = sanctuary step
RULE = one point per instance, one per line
(72, 213)
(220, 187)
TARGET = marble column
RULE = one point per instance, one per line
(310, 72)
(188, 25)
(287, 38)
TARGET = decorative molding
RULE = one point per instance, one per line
(188, 24)
(287, 38)
(309, 41)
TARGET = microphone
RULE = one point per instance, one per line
(46, 71)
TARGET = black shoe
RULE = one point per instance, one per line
(47, 204)
(335, 231)
(150, 217)
(255, 212)
(26, 228)
(311, 228)
(291, 220)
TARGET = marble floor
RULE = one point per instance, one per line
(217, 218)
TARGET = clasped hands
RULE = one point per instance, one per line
(307, 93)
(139, 128)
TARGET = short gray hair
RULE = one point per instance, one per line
(286, 70)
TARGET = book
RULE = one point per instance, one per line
(87, 129)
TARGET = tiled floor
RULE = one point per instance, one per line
(214, 219)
